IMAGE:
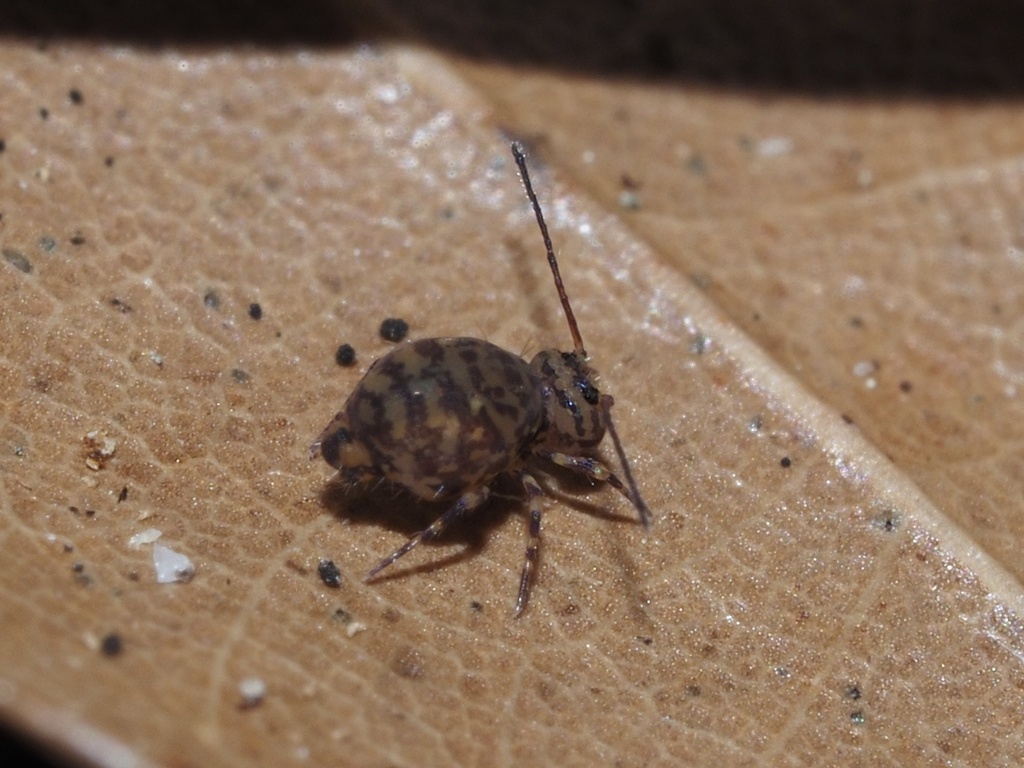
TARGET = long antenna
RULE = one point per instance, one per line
(577, 340)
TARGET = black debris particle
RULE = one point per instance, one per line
(888, 520)
(240, 376)
(123, 495)
(697, 165)
(75, 97)
(628, 182)
(342, 616)
(476, 606)
(847, 419)
(109, 161)
(345, 356)
(329, 573)
(18, 260)
(81, 577)
(211, 299)
(853, 692)
(857, 717)
(3, 145)
(44, 113)
(394, 329)
(121, 306)
(645, 640)
(693, 690)
(77, 239)
(47, 243)
(786, 462)
(112, 645)
(255, 311)
(906, 386)
(856, 322)
(699, 344)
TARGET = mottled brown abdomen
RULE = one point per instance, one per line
(440, 416)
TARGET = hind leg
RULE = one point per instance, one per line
(465, 504)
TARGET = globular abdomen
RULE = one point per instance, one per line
(440, 416)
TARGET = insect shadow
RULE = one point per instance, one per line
(570, 489)
(388, 506)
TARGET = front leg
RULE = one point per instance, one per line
(534, 493)
(465, 504)
(595, 470)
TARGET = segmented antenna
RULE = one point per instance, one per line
(519, 154)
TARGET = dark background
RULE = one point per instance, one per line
(966, 48)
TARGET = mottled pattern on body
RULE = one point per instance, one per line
(443, 417)
(440, 416)
(576, 423)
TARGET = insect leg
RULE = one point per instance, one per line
(534, 492)
(594, 469)
(465, 504)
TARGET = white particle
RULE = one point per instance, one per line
(775, 146)
(253, 690)
(148, 536)
(171, 566)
